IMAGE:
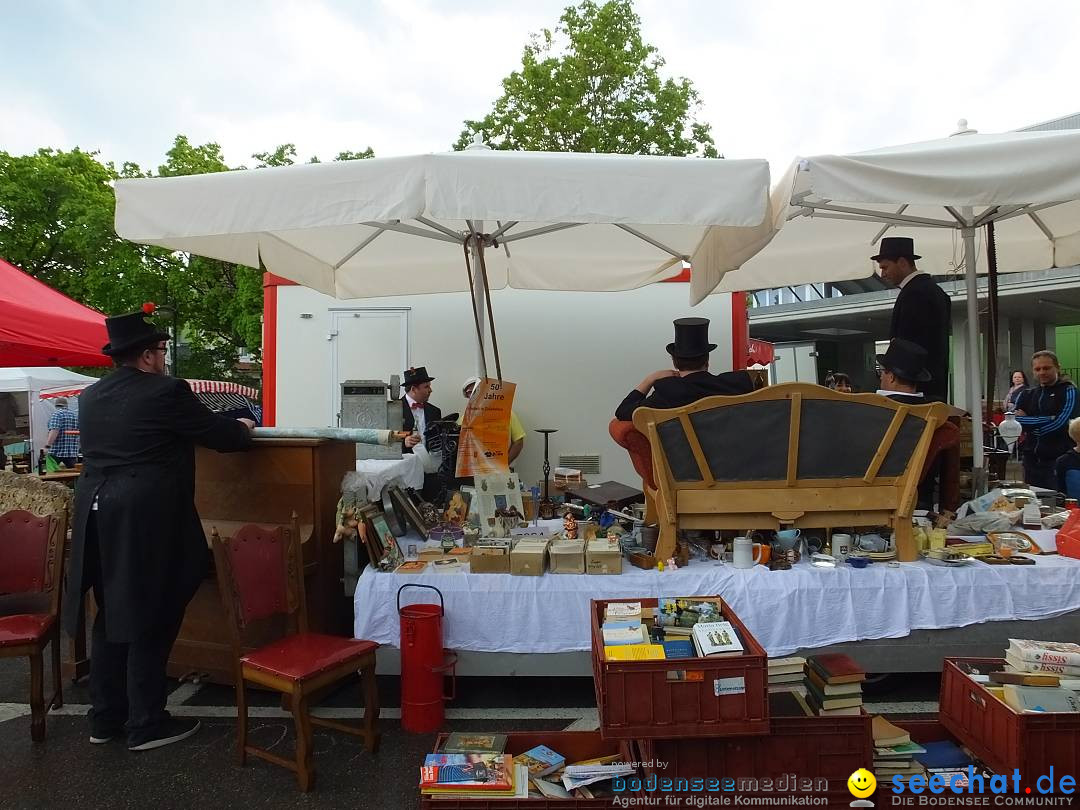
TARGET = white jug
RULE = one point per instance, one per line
(743, 554)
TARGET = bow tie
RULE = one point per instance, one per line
(417, 406)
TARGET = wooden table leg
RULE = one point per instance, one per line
(76, 664)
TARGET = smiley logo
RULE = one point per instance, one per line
(861, 783)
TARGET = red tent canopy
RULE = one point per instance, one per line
(42, 327)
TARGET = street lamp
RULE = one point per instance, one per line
(173, 316)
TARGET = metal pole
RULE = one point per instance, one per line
(479, 298)
(973, 387)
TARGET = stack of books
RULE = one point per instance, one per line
(473, 776)
(625, 637)
(786, 675)
(1045, 658)
(894, 752)
(834, 685)
(716, 640)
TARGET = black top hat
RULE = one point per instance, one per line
(896, 247)
(131, 332)
(691, 338)
(906, 360)
(415, 376)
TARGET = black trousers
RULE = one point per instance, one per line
(127, 680)
(1040, 472)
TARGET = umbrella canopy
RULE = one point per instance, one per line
(42, 327)
(829, 212)
(397, 226)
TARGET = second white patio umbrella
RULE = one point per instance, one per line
(830, 211)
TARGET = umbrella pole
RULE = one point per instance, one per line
(974, 389)
(481, 360)
(490, 311)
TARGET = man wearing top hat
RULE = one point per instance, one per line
(690, 379)
(136, 538)
(922, 312)
(417, 413)
(901, 369)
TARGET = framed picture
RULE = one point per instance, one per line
(496, 493)
(405, 504)
(383, 549)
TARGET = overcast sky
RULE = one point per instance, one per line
(777, 78)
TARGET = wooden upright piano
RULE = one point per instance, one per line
(265, 485)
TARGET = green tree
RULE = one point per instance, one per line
(594, 85)
(56, 223)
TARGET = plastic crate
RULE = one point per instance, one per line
(644, 700)
(829, 748)
(1002, 738)
(574, 745)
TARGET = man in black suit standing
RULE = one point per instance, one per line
(690, 379)
(136, 537)
(417, 414)
(922, 312)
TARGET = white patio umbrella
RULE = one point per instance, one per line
(405, 225)
(829, 212)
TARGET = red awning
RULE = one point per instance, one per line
(42, 327)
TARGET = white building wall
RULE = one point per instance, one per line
(574, 356)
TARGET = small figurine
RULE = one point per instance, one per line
(569, 523)
(613, 537)
(671, 563)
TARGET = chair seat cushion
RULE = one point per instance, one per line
(306, 654)
(24, 628)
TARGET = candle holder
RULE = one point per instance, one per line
(546, 508)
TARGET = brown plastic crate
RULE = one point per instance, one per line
(574, 745)
(829, 748)
(1002, 738)
(636, 700)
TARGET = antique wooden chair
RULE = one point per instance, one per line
(31, 573)
(260, 576)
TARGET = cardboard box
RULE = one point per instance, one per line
(529, 557)
(567, 557)
(490, 557)
(603, 557)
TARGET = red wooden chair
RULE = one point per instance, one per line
(260, 575)
(31, 572)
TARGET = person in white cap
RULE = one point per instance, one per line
(517, 432)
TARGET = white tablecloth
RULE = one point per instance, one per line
(785, 610)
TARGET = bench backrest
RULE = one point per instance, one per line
(792, 436)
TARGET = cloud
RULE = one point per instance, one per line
(777, 79)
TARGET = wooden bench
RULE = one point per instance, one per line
(788, 456)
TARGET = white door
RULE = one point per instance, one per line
(366, 344)
(795, 362)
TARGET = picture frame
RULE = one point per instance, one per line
(383, 549)
(405, 504)
(496, 492)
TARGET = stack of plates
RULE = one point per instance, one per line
(876, 556)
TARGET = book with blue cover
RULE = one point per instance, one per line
(679, 648)
(944, 754)
(541, 760)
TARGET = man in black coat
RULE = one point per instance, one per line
(900, 370)
(417, 415)
(690, 379)
(136, 537)
(922, 312)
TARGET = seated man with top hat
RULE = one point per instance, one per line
(684, 384)
(417, 415)
(902, 369)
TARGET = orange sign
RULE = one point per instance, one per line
(485, 429)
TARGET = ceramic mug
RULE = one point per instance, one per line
(787, 538)
(747, 553)
(841, 545)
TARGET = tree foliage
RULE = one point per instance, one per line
(56, 223)
(594, 85)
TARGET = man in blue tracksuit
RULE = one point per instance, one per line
(1045, 411)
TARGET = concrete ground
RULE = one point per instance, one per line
(66, 771)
